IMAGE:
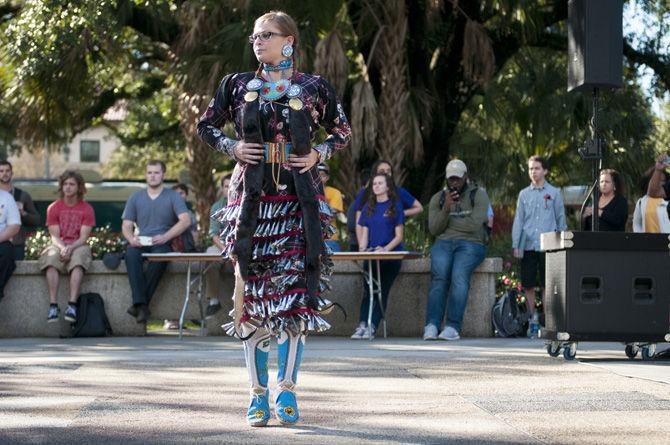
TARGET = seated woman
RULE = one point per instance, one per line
(382, 222)
(612, 205)
(651, 214)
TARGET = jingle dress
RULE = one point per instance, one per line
(275, 293)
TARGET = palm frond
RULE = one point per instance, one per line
(331, 61)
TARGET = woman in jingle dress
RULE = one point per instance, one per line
(277, 217)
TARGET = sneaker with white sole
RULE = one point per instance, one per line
(359, 332)
(430, 332)
(213, 307)
(54, 312)
(369, 333)
(71, 313)
(449, 334)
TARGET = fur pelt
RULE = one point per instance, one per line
(300, 138)
(253, 186)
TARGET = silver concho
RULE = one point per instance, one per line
(254, 84)
(294, 90)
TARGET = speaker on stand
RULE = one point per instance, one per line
(595, 61)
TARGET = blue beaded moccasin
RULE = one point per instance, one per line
(258, 413)
(286, 408)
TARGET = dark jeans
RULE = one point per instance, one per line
(20, 252)
(452, 263)
(143, 284)
(7, 264)
(389, 270)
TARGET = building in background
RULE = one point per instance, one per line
(88, 150)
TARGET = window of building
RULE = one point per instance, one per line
(89, 151)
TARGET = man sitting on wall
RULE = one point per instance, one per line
(10, 224)
(161, 215)
(70, 220)
(30, 218)
(457, 217)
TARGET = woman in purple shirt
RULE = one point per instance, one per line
(382, 223)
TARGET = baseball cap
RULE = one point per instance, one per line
(456, 167)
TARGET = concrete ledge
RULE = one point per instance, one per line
(23, 310)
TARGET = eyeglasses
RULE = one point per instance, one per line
(265, 36)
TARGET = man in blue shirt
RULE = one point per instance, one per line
(539, 209)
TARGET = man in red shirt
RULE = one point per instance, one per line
(70, 220)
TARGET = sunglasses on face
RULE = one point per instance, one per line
(265, 36)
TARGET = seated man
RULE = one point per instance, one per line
(10, 224)
(160, 215)
(70, 220)
(215, 229)
(30, 218)
(457, 217)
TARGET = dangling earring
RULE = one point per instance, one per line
(287, 50)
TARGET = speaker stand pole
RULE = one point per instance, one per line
(595, 163)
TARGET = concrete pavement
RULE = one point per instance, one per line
(165, 391)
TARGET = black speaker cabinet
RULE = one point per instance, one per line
(606, 286)
(595, 44)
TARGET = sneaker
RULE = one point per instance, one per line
(286, 408)
(534, 326)
(54, 312)
(449, 334)
(142, 313)
(359, 332)
(430, 332)
(71, 313)
(258, 413)
(132, 310)
(369, 333)
(171, 325)
(212, 308)
(533, 330)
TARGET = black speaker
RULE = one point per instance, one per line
(595, 44)
(607, 286)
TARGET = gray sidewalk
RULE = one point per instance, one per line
(165, 391)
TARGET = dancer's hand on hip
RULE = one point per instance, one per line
(305, 162)
(249, 152)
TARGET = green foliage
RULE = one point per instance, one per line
(417, 237)
(102, 240)
(526, 110)
(150, 131)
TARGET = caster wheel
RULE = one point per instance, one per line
(553, 349)
(570, 352)
(648, 352)
(631, 351)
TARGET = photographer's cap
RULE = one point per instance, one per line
(457, 168)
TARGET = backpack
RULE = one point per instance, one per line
(509, 317)
(91, 317)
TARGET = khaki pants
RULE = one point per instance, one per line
(50, 257)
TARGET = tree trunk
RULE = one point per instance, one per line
(393, 143)
(200, 159)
